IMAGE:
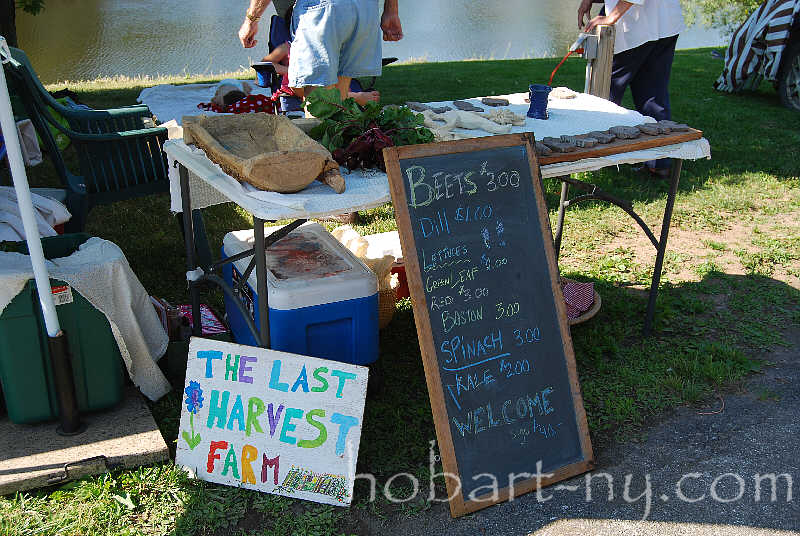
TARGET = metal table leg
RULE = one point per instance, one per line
(260, 254)
(674, 177)
(562, 206)
(595, 193)
(194, 292)
(194, 279)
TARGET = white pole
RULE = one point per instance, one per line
(9, 128)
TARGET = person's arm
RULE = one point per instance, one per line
(278, 54)
(249, 28)
(585, 11)
(609, 19)
(390, 21)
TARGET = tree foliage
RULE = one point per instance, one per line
(8, 20)
(31, 6)
(726, 15)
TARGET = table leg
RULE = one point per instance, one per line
(261, 280)
(562, 206)
(674, 177)
(194, 292)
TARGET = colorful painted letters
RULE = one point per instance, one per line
(271, 419)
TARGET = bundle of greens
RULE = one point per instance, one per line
(356, 135)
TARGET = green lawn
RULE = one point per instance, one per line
(730, 288)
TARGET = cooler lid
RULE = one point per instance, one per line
(299, 263)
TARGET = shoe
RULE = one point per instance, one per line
(661, 173)
(653, 173)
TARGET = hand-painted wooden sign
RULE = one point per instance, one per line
(276, 422)
(490, 317)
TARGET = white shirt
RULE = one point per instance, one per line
(646, 20)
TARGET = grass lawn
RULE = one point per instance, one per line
(730, 288)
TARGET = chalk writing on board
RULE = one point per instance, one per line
(497, 354)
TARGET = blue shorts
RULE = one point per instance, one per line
(334, 38)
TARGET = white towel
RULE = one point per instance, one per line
(48, 212)
(99, 271)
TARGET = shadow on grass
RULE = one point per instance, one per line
(710, 334)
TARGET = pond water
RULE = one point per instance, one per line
(86, 39)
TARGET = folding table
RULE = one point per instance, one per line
(196, 182)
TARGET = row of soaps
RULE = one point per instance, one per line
(568, 144)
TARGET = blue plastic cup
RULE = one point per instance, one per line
(538, 94)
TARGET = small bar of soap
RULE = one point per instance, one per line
(466, 106)
(491, 101)
(580, 141)
(542, 149)
(651, 129)
(417, 106)
(673, 126)
(602, 136)
(559, 146)
(625, 133)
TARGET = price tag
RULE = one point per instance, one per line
(62, 294)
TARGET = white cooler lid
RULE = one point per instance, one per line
(307, 267)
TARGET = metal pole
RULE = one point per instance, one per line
(26, 210)
(562, 206)
(674, 177)
(188, 232)
(58, 346)
(261, 280)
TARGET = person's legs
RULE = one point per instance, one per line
(650, 85)
(624, 69)
(343, 85)
(361, 50)
(319, 30)
(363, 97)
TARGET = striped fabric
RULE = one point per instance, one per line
(756, 46)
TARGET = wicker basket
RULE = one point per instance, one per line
(588, 314)
(387, 300)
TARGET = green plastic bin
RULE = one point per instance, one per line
(25, 371)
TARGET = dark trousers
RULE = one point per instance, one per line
(646, 70)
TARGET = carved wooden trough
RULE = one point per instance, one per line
(264, 150)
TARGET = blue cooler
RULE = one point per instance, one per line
(323, 301)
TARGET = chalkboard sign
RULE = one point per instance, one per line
(490, 316)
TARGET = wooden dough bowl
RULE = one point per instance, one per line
(264, 150)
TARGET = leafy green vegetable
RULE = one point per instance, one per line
(346, 126)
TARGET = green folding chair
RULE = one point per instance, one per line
(119, 150)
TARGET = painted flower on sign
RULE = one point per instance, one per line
(194, 397)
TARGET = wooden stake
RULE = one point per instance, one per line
(598, 70)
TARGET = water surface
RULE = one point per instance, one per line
(86, 39)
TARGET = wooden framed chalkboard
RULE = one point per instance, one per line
(490, 316)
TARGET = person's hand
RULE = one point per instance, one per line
(247, 33)
(584, 11)
(598, 21)
(611, 18)
(390, 24)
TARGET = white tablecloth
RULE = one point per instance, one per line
(368, 189)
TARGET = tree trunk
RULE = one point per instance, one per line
(8, 25)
